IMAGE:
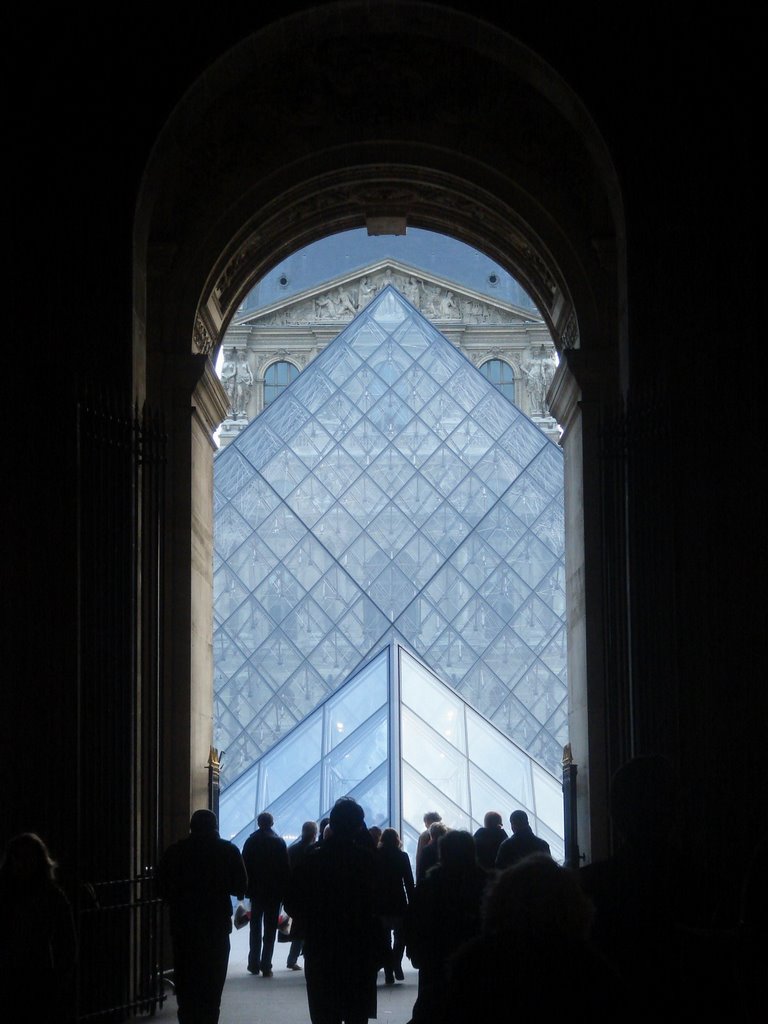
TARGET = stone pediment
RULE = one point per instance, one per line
(340, 299)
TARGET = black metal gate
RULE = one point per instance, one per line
(120, 473)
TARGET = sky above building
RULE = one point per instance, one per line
(352, 250)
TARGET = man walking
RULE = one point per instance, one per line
(296, 853)
(333, 892)
(488, 839)
(520, 843)
(266, 860)
(197, 878)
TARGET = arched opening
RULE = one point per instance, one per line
(265, 193)
(501, 375)
(277, 377)
(422, 531)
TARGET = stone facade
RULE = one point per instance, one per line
(301, 327)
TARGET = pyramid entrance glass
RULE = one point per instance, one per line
(389, 500)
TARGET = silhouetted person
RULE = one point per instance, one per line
(38, 946)
(429, 819)
(520, 844)
(488, 839)
(333, 892)
(429, 855)
(395, 894)
(197, 877)
(650, 916)
(296, 853)
(266, 861)
(536, 922)
(321, 831)
(446, 913)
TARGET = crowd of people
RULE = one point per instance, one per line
(345, 897)
(617, 939)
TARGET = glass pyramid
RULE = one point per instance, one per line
(389, 498)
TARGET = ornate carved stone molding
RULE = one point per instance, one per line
(569, 335)
(343, 199)
(343, 300)
(205, 334)
(209, 400)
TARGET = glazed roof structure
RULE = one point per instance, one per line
(390, 498)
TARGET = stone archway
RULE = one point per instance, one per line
(250, 168)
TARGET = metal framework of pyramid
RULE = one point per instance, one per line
(390, 526)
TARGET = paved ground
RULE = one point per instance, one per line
(250, 999)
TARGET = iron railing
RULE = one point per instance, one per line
(121, 468)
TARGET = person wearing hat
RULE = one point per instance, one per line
(197, 877)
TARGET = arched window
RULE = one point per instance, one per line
(276, 379)
(501, 375)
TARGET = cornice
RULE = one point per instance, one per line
(210, 403)
(516, 313)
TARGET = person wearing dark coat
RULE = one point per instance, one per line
(653, 919)
(197, 877)
(488, 839)
(428, 858)
(395, 896)
(333, 893)
(266, 861)
(296, 853)
(535, 914)
(520, 844)
(446, 913)
(424, 838)
(38, 944)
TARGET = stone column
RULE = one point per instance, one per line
(574, 398)
(194, 403)
(209, 407)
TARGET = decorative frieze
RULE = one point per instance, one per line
(298, 328)
(344, 300)
(204, 334)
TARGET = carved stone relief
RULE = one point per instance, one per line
(202, 337)
(570, 333)
(439, 195)
(343, 302)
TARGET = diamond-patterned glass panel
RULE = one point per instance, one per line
(390, 491)
(448, 747)
(338, 748)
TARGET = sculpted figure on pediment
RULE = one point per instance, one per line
(449, 307)
(345, 303)
(336, 305)
(431, 299)
(366, 291)
(325, 307)
(475, 311)
(411, 291)
(441, 304)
